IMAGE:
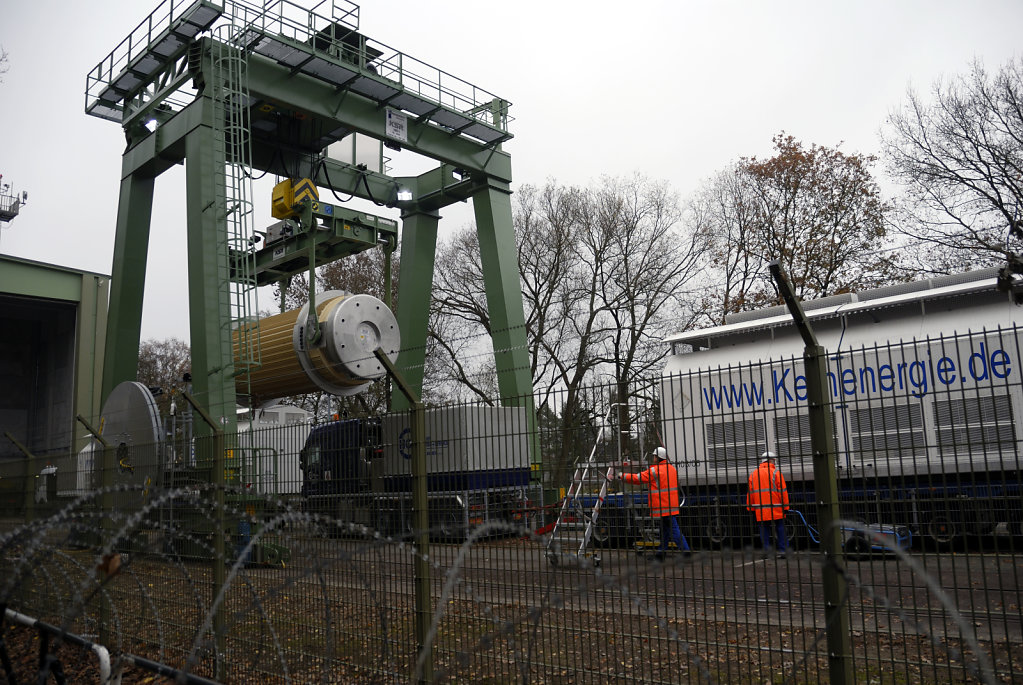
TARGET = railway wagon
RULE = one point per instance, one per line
(924, 381)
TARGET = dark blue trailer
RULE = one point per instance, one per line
(358, 471)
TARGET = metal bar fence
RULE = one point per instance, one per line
(318, 565)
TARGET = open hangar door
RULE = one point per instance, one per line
(37, 363)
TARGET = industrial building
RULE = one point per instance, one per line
(54, 321)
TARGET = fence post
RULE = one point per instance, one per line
(219, 546)
(420, 521)
(31, 471)
(107, 464)
(825, 480)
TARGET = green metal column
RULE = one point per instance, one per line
(415, 284)
(499, 258)
(128, 281)
(209, 308)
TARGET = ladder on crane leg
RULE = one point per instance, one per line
(566, 545)
(232, 143)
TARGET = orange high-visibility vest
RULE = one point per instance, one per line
(663, 480)
(768, 498)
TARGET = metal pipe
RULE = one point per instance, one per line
(99, 650)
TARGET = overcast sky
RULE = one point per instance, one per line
(675, 90)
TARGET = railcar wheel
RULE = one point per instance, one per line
(271, 555)
(716, 531)
(942, 530)
(905, 535)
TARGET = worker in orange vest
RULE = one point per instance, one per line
(662, 478)
(768, 499)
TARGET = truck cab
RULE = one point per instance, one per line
(337, 458)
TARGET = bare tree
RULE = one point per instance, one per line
(816, 209)
(163, 364)
(460, 365)
(647, 281)
(359, 273)
(546, 220)
(548, 225)
(959, 159)
(725, 214)
(603, 270)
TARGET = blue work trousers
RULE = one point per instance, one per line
(778, 526)
(670, 532)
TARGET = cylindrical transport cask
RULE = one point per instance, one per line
(341, 362)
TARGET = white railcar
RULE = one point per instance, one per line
(924, 384)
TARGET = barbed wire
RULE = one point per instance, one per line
(34, 561)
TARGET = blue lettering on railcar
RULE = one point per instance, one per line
(916, 377)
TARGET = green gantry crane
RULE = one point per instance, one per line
(232, 90)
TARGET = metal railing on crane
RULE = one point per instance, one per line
(150, 64)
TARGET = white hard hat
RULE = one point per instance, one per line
(659, 453)
(768, 455)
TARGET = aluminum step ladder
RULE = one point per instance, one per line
(573, 530)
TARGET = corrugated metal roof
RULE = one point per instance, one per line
(870, 300)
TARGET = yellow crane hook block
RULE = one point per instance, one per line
(288, 195)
